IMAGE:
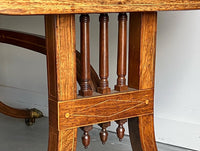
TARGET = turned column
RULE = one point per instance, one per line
(86, 89)
(121, 57)
(121, 65)
(103, 55)
(103, 68)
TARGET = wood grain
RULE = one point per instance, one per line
(61, 65)
(29, 41)
(122, 53)
(103, 55)
(142, 134)
(86, 89)
(103, 133)
(67, 140)
(17, 113)
(27, 7)
(103, 108)
(86, 136)
(142, 45)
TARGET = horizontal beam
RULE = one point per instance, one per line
(27, 7)
(103, 108)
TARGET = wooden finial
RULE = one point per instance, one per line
(104, 134)
(86, 136)
(120, 129)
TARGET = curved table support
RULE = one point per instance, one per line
(142, 45)
(32, 42)
(29, 41)
(35, 43)
(141, 130)
(28, 114)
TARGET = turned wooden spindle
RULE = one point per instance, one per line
(86, 136)
(103, 55)
(104, 134)
(86, 89)
(120, 129)
(121, 58)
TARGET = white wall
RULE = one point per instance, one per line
(177, 97)
(23, 81)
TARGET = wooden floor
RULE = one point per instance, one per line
(16, 136)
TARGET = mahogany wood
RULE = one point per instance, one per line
(27, 7)
(24, 40)
(86, 136)
(94, 82)
(86, 89)
(61, 65)
(121, 57)
(103, 55)
(7, 110)
(142, 45)
(103, 68)
(104, 134)
(120, 129)
(85, 111)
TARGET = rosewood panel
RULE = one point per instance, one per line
(103, 108)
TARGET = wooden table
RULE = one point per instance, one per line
(134, 101)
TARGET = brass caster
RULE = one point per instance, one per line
(29, 121)
(34, 113)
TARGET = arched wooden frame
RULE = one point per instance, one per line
(35, 43)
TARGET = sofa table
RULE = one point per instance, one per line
(95, 102)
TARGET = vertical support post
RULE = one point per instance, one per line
(121, 57)
(142, 46)
(103, 55)
(103, 68)
(121, 65)
(61, 67)
(86, 89)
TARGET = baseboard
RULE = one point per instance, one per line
(178, 133)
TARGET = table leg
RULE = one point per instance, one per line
(142, 45)
(61, 66)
